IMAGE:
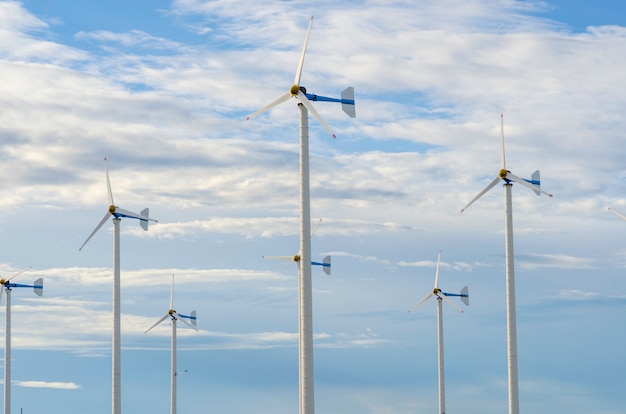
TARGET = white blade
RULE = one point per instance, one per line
(618, 214)
(109, 192)
(421, 301)
(502, 160)
(302, 97)
(282, 98)
(516, 179)
(289, 258)
(106, 216)
(489, 187)
(19, 273)
(172, 294)
(437, 271)
(316, 226)
(184, 320)
(443, 296)
(126, 213)
(159, 321)
(301, 62)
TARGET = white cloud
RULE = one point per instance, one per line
(46, 384)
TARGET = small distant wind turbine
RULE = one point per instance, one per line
(189, 320)
(307, 404)
(117, 213)
(441, 296)
(534, 184)
(325, 263)
(7, 286)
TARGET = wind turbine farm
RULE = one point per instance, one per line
(193, 103)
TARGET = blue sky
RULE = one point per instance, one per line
(162, 89)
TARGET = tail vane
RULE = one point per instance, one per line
(347, 102)
(38, 286)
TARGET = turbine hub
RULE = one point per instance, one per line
(294, 90)
(171, 312)
(503, 173)
(296, 258)
(111, 209)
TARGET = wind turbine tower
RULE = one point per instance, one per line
(189, 320)
(117, 213)
(304, 290)
(441, 296)
(534, 184)
(7, 286)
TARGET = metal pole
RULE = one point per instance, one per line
(511, 333)
(442, 392)
(7, 355)
(116, 350)
(307, 403)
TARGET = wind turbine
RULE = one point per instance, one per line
(117, 213)
(325, 263)
(7, 286)
(534, 184)
(189, 320)
(441, 296)
(306, 306)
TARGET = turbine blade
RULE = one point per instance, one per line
(618, 214)
(424, 299)
(129, 214)
(288, 258)
(301, 62)
(502, 159)
(516, 179)
(305, 101)
(183, 319)
(109, 192)
(437, 271)
(282, 98)
(172, 294)
(158, 322)
(316, 226)
(489, 187)
(450, 302)
(106, 216)
(18, 273)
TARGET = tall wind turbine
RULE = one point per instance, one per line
(117, 213)
(306, 306)
(534, 184)
(441, 296)
(7, 286)
(189, 320)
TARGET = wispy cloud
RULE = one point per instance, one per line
(47, 384)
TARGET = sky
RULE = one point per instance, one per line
(162, 90)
